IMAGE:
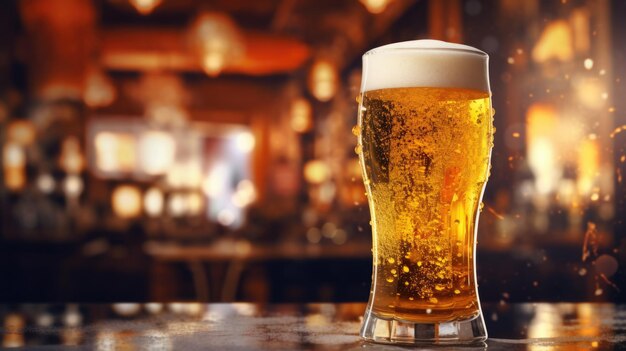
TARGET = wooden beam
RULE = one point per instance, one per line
(142, 49)
(59, 45)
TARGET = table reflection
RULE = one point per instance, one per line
(183, 326)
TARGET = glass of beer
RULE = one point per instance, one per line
(425, 134)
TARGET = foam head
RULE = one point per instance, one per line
(425, 63)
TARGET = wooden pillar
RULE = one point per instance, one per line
(60, 43)
(7, 44)
(619, 119)
(445, 20)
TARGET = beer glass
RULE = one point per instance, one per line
(424, 140)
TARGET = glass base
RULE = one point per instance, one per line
(470, 331)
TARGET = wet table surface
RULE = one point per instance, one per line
(245, 326)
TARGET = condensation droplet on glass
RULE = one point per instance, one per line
(358, 149)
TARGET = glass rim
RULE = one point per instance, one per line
(382, 49)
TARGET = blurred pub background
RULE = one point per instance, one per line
(176, 150)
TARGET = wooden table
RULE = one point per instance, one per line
(326, 326)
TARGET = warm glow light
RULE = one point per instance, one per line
(323, 80)
(245, 141)
(545, 323)
(245, 194)
(217, 41)
(226, 217)
(21, 132)
(126, 309)
(301, 120)
(145, 7)
(588, 166)
(153, 202)
(176, 205)
(213, 62)
(156, 152)
(14, 165)
(176, 176)
(166, 115)
(71, 160)
(193, 175)
(14, 178)
(375, 6)
(580, 26)
(14, 323)
(316, 171)
(99, 90)
(543, 162)
(153, 307)
(555, 42)
(541, 122)
(213, 184)
(194, 203)
(185, 175)
(126, 201)
(14, 155)
(115, 152)
(46, 183)
(73, 186)
(590, 92)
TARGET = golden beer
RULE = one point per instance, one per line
(425, 153)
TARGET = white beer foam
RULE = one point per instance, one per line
(425, 63)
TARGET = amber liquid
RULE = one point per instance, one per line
(425, 154)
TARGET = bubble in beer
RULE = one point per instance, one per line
(358, 149)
